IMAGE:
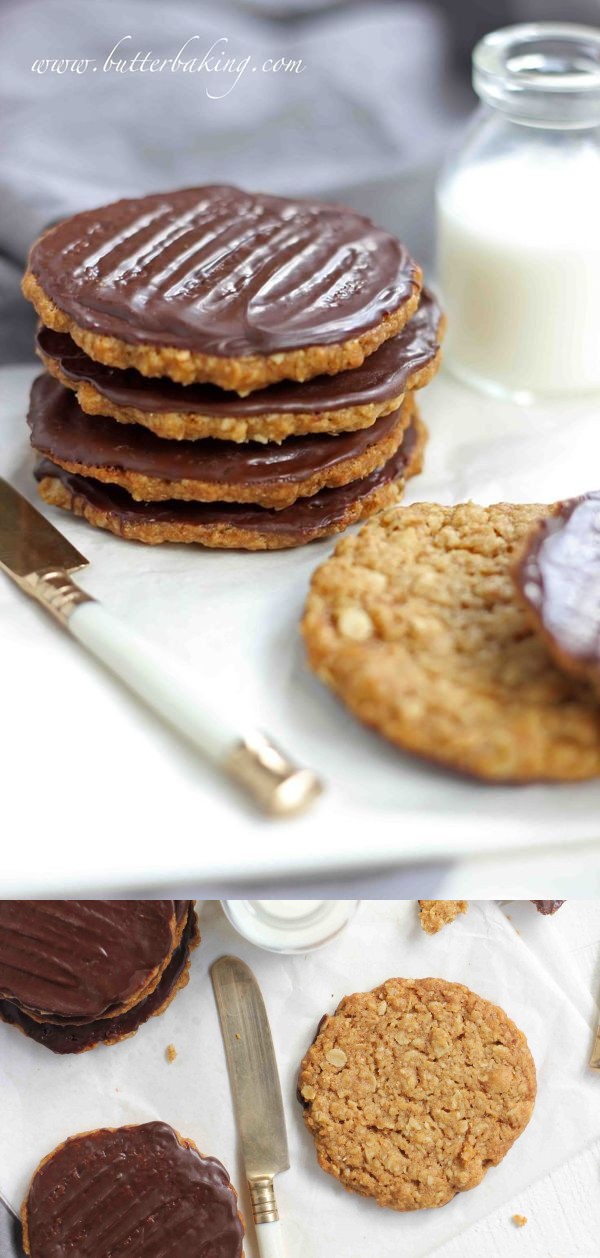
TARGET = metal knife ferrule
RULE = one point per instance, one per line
(262, 1196)
(279, 786)
(57, 592)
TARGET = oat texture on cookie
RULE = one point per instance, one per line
(416, 624)
(414, 1090)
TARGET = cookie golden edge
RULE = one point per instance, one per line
(340, 668)
(242, 375)
(227, 536)
(277, 495)
(184, 1141)
(375, 1000)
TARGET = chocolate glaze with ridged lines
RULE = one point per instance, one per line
(135, 1192)
(382, 376)
(65, 1037)
(321, 510)
(78, 959)
(215, 270)
(60, 430)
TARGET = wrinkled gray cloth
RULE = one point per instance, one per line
(375, 101)
(383, 92)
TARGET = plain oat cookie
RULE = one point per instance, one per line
(417, 626)
(414, 1090)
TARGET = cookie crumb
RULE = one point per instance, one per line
(437, 913)
(171, 1052)
(519, 1220)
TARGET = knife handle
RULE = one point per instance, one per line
(270, 1240)
(280, 787)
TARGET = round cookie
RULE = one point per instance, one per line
(139, 1190)
(558, 578)
(235, 525)
(220, 285)
(79, 960)
(413, 1090)
(65, 1037)
(342, 403)
(416, 624)
(153, 469)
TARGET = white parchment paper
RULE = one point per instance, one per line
(45, 1098)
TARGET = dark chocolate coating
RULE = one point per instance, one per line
(219, 271)
(61, 430)
(306, 515)
(67, 1037)
(132, 1193)
(383, 375)
(77, 959)
(559, 577)
(547, 907)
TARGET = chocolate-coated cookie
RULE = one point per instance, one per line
(220, 285)
(235, 525)
(134, 1190)
(341, 403)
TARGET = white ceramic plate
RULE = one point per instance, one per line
(97, 794)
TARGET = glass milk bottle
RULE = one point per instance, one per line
(289, 925)
(518, 214)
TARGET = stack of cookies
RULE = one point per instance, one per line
(77, 973)
(230, 369)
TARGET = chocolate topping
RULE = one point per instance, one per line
(219, 271)
(134, 1191)
(81, 958)
(383, 375)
(559, 577)
(306, 515)
(60, 430)
(67, 1037)
(547, 907)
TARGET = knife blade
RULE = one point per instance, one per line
(256, 1092)
(28, 541)
(37, 556)
(11, 1236)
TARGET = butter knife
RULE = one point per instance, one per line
(256, 1093)
(40, 559)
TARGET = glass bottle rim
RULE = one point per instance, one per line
(545, 73)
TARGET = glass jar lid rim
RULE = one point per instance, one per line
(510, 54)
